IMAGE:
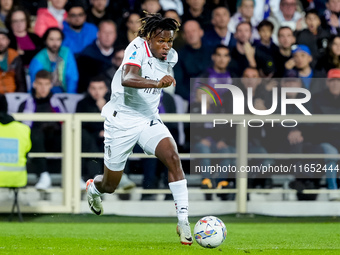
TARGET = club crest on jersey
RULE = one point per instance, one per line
(133, 56)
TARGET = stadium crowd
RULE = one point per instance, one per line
(75, 47)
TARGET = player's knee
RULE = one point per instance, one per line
(172, 156)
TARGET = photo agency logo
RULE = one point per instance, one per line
(239, 105)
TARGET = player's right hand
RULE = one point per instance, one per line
(166, 81)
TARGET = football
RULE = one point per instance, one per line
(210, 232)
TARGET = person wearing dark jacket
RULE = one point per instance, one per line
(314, 36)
(46, 136)
(328, 102)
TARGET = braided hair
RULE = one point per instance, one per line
(154, 21)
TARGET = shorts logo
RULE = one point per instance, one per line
(133, 56)
(108, 150)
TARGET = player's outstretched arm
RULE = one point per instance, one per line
(132, 79)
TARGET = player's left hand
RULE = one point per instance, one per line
(166, 81)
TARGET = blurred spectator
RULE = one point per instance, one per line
(328, 102)
(78, 33)
(286, 40)
(263, 9)
(265, 49)
(5, 7)
(179, 41)
(97, 56)
(219, 69)
(199, 11)
(27, 44)
(117, 59)
(245, 13)
(251, 79)
(46, 136)
(12, 76)
(243, 55)
(58, 60)
(15, 143)
(176, 5)
(301, 61)
(129, 33)
(331, 59)
(286, 16)
(219, 33)
(93, 132)
(98, 12)
(314, 36)
(52, 16)
(207, 139)
(330, 19)
(193, 58)
(150, 6)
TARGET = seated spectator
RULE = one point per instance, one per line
(219, 33)
(52, 16)
(193, 58)
(219, 69)
(197, 10)
(328, 102)
(265, 49)
(286, 40)
(287, 15)
(15, 143)
(301, 61)
(5, 7)
(245, 13)
(97, 56)
(331, 59)
(179, 41)
(58, 60)
(207, 139)
(78, 33)
(117, 60)
(12, 76)
(330, 20)
(27, 44)
(98, 12)
(129, 33)
(45, 136)
(243, 55)
(314, 36)
(92, 132)
(251, 79)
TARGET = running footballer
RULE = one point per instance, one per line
(131, 116)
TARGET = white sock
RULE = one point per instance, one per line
(93, 190)
(180, 193)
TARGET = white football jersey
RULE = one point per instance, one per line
(139, 103)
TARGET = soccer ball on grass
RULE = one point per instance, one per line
(210, 232)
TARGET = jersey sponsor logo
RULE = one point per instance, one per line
(136, 46)
(133, 56)
(153, 91)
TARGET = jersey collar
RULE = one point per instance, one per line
(148, 51)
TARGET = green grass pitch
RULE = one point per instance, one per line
(87, 234)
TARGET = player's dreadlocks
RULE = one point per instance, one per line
(154, 21)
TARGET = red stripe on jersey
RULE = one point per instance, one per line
(132, 64)
(147, 49)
